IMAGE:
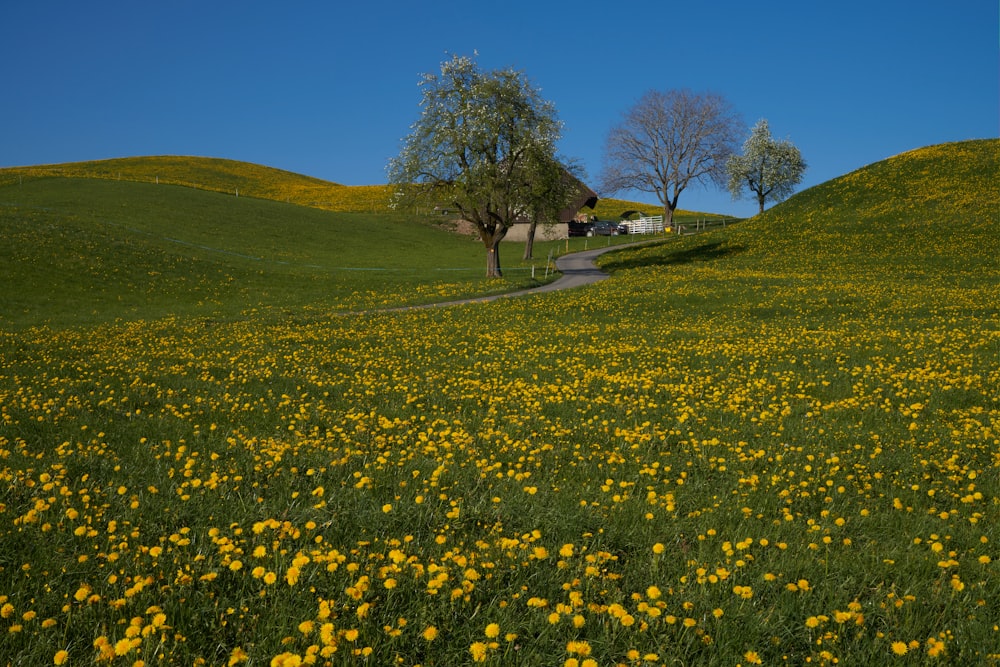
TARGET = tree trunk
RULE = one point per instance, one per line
(493, 261)
(668, 216)
(492, 243)
(760, 200)
(529, 244)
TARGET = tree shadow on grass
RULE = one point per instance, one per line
(705, 252)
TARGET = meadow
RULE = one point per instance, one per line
(244, 179)
(83, 251)
(775, 443)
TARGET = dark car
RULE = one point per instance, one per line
(605, 228)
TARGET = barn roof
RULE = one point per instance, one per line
(585, 197)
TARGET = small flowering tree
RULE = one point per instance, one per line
(769, 168)
(483, 142)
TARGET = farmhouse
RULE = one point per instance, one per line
(557, 229)
(551, 229)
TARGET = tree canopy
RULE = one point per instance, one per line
(485, 143)
(668, 141)
(769, 168)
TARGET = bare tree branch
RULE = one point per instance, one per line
(669, 141)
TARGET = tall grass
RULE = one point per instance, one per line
(771, 444)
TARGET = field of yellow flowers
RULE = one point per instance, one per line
(725, 454)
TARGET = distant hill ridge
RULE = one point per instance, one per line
(219, 175)
(253, 180)
(916, 210)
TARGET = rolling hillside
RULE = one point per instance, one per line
(910, 216)
(910, 211)
(218, 175)
(81, 250)
(248, 180)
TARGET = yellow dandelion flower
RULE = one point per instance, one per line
(478, 651)
(430, 633)
(900, 648)
(123, 646)
(237, 656)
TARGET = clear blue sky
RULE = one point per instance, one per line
(328, 89)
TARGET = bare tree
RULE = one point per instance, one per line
(668, 141)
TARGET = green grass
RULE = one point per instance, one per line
(212, 174)
(86, 251)
(775, 441)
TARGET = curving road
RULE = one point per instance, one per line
(578, 269)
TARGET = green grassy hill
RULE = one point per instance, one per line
(218, 175)
(905, 216)
(145, 237)
(246, 180)
(78, 250)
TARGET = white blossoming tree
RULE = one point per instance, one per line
(768, 168)
(483, 143)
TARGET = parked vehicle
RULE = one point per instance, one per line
(605, 228)
(581, 228)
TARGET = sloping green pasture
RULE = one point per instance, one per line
(81, 250)
(244, 179)
(216, 175)
(772, 444)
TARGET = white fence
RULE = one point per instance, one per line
(646, 225)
